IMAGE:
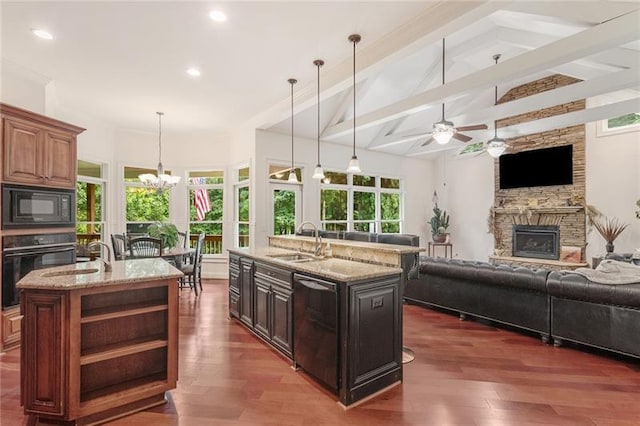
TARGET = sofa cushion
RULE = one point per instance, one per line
(399, 239)
(570, 285)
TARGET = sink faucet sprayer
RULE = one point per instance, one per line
(318, 248)
(107, 263)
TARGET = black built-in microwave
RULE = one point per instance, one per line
(37, 207)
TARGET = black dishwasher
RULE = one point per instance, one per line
(315, 328)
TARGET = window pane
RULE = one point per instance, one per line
(89, 202)
(472, 147)
(393, 227)
(87, 168)
(87, 233)
(335, 178)
(389, 183)
(284, 212)
(243, 204)
(243, 174)
(212, 239)
(335, 226)
(243, 235)
(131, 173)
(211, 177)
(624, 120)
(137, 229)
(334, 204)
(362, 180)
(146, 205)
(364, 205)
(390, 206)
(282, 173)
(215, 203)
(365, 226)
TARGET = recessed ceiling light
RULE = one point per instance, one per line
(193, 72)
(42, 34)
(217, 15)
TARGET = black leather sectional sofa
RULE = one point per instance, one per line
(559, 305)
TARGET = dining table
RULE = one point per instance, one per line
(177, 255)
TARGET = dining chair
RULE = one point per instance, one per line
(143, 247)
(192, 272)
(119, 245)
(182, 239)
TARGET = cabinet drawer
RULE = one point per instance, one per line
(234, 304)
(234, 277)
(234, 261)
(275, 275)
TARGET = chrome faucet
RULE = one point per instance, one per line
(318, 248)
(107, 263)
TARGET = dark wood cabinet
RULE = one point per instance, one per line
(262, 299)
(282, 319)
(246, 291)
(38, 150)
(234, 286)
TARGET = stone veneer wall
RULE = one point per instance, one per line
(527, 200)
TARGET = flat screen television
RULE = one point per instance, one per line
(538, 167)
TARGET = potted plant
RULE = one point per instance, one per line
(439, 224)
(167, 232)
(610, 229)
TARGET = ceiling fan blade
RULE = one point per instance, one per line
(474, 127)
(428, 141)
(461, 137)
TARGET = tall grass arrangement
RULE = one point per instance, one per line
(610, 229)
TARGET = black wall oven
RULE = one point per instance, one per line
(22, 254)
(37, 207)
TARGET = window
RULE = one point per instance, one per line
(143, 206)
(279, 172)
(242, 197)
(361, 203)
(625, 123)
(89, 211)
(206, 214)
(471, 148)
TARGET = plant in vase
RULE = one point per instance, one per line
(439, 224)
(167, 232)
(496, 231)
(610, 229)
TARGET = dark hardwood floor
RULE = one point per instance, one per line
(464, 373)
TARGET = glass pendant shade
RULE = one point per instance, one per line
(318, 173)
(161, 181)
(292, 177)
(496, 147)
(354, 165)
(443, 132)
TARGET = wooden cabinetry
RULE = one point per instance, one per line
(246, 291)
(11, 323)
(274, 306)
(37, 150)
(99, 353)
(234, 286)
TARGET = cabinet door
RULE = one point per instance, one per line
(234, 304)
(261, 296)
(44, 333)
(60, 159)
(246, 292)
(282, 323)
(22, 149)
(11, 323)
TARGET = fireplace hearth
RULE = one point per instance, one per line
(540, 242)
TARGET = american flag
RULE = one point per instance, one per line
(201, 199)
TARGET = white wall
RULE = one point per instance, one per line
(613, 185)
(22, 87)
(276, 148)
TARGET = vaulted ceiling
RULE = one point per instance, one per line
(122, 61)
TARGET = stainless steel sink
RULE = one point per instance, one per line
(69, 272)
(295, 257)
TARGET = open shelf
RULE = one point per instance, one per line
(110, 312)
(121, 349)
(97, 396)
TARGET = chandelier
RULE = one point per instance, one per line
(161, 181)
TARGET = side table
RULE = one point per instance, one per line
(448, 249)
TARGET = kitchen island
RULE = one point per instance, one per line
(338, 319)
(98, 345)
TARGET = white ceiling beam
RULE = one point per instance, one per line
(573, 92)
(346, 102)
(584, 12)
(588, 42)
(439, 19)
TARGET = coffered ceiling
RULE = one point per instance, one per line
(122, 61)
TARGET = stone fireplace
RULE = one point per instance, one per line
(540, 242)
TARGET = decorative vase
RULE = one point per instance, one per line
(609, 247)
(439, 238)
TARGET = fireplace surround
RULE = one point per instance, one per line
(540, 242)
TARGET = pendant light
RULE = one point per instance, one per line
(496, 146)
(318, 173)
(161, 181)
(443, 130)
(292, 173)
(354, 164)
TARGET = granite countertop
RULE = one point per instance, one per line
(91, 274)
(392, 248)
(327, 267)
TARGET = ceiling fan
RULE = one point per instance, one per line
(444, 130)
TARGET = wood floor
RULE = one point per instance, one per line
(464, 373)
